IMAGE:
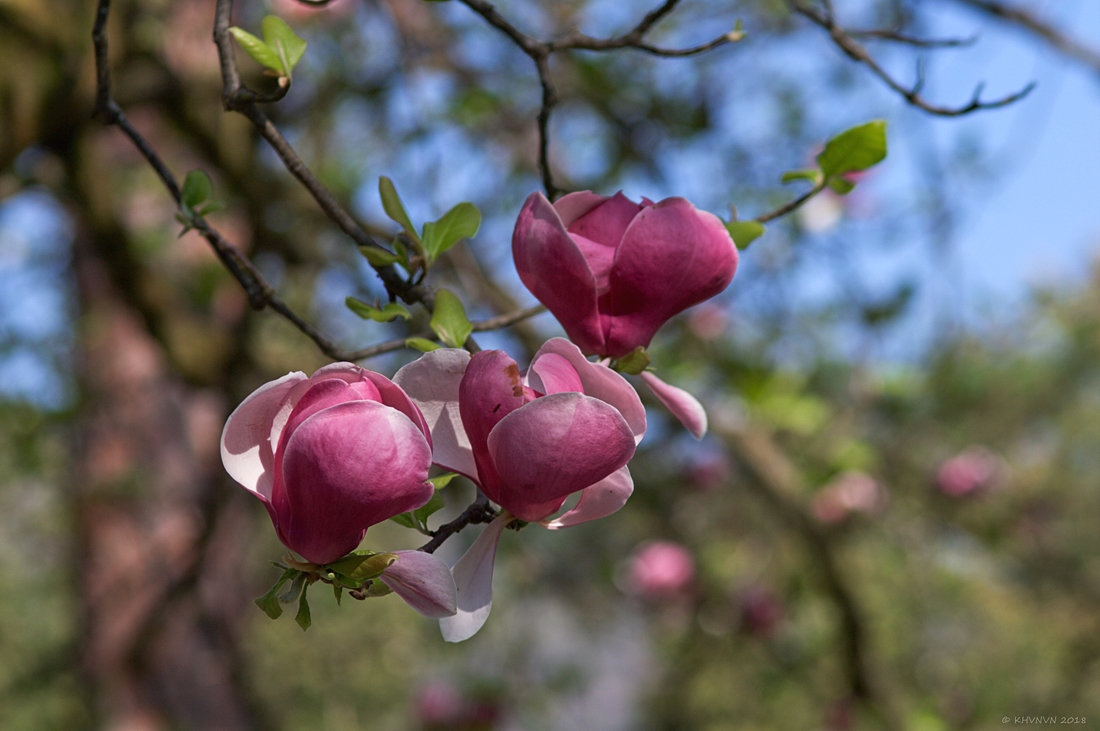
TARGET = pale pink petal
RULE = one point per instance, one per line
(685, 407)
(473, 575)
(553, 268)
(424, 582)
(553, 447)
(599, 381)
(552, 373)
(345, 468)
(672, 256)
(392, 395)
(247, 451)
(597, 501)
(432, 382)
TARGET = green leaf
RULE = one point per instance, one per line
(338, 591)
(461, 222)
(633, 362)
(196, 188)
(842, 186)
(391, 311)
(405, 519)
(449, 320)
(361, 567)
(441, 481)
(854, 149)
(426, 510)
(302, 617)
(260, 52)
(379, 257)
(395, 209)
(811, 174)
(283, 42)
(422, 344)
(744, 232)
(295, 589)
(269, 602)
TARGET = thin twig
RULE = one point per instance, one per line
(791, 206)
(478, 511)
(846, 43)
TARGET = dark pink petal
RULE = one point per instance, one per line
(685, 407)
(391, 395)
(344, 469)
(325, 393)
(672, 256)
(606, 223)
(553, 447)
(424, 582)
(553, 268)
(597, 381)
(432, 382)
(247, 451)
(473, 574)
(490, 390)
(598, 501)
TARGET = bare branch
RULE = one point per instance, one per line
(846, 43)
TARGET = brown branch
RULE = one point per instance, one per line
(844, 40)
(478, 511)
(778, 483)
(792, 205)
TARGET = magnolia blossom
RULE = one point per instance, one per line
(529, 441)
(971, 471)
(661, 570)
(612, 271)
(847, 494)
(329, 456)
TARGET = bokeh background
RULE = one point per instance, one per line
(892, 523)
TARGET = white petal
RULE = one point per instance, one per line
(431, 381)
(473, 574)
(246, 446)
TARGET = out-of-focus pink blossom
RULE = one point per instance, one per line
(708, 322)
(661, 570)
(329, 456)
(848, 494)
(612, 271)
(974, 470)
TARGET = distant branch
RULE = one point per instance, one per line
(845, 41)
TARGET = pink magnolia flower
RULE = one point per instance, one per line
(661, 570)
(971, 471)
(529, 441)
(329, 456)
(613, 271)
(847, 494)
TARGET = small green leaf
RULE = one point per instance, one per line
(338, 591)
(842, 186)
(302, 617)
(269, 602)
(395, 209)
(260, 52)
(449, 319)
(811, 174)
(284, 42)
(391, 311)
(361, 567)
(441, 481)
(744, 232)
(196, 188)
(211, 207)
(425, 511)
(854, 149)
(294, 590)
(633, 362)
(461, 222)
(422, 344)
(378, 257)
(405, 519)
